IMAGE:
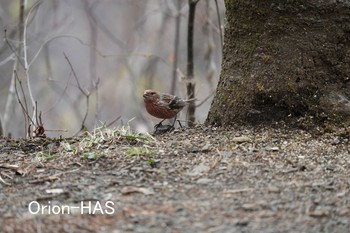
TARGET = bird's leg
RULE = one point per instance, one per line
(172, 126)
(158, 125)
(174, 121)
(159, 128)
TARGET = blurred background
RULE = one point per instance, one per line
(117, 49)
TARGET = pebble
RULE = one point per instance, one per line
(204, 181)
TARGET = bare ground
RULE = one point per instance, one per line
(195, 180)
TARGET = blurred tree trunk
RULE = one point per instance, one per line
(10, 109)
(286, 61)
(190, 86)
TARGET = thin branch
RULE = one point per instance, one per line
(24, 111)
(22, 91)
(86, 113)
(11, 57)
(97, 108)
(12, 49)
(113, 121)
(60, 97)
(84, 92)
(24, 107)
(25, 56)
(36, 113)
(206, 98)
(3, 181)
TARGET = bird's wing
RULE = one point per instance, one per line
(177, 102)
(172, 102)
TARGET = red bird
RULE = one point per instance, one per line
(163, 106)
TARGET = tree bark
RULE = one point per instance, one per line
(284, 61)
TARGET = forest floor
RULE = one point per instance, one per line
(204, 179)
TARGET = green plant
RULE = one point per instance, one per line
(45, 155)
(89, 155)
(137, 151)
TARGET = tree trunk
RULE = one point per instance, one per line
(285, 61)
(190, 86)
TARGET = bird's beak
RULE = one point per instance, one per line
(145, 95)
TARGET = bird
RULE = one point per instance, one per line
(163, 106)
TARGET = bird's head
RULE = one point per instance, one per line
(150, 95)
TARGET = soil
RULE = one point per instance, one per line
(203, 179)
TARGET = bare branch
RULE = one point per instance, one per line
(27, 118)
(12, 57)
(13, 49)
(206, 99)
(113, 121)
(84, 92)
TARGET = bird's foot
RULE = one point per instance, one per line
(180, 123)
(160, 129)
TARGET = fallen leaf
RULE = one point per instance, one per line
(131, 189)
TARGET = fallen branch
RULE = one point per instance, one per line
(3, 181)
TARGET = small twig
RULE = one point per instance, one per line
(8, 176)
(36, 113)
(12, 49)
(86, 93)
(25, 56)
(234, 191)
(112, 122)
(22, 90)
(3, 181)
(96, 85)
(56, 130)
(206, 98)
(24, 107)
(11, 57)
(60, 96)
(86, 113)
(9, 166)
(51, 177)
